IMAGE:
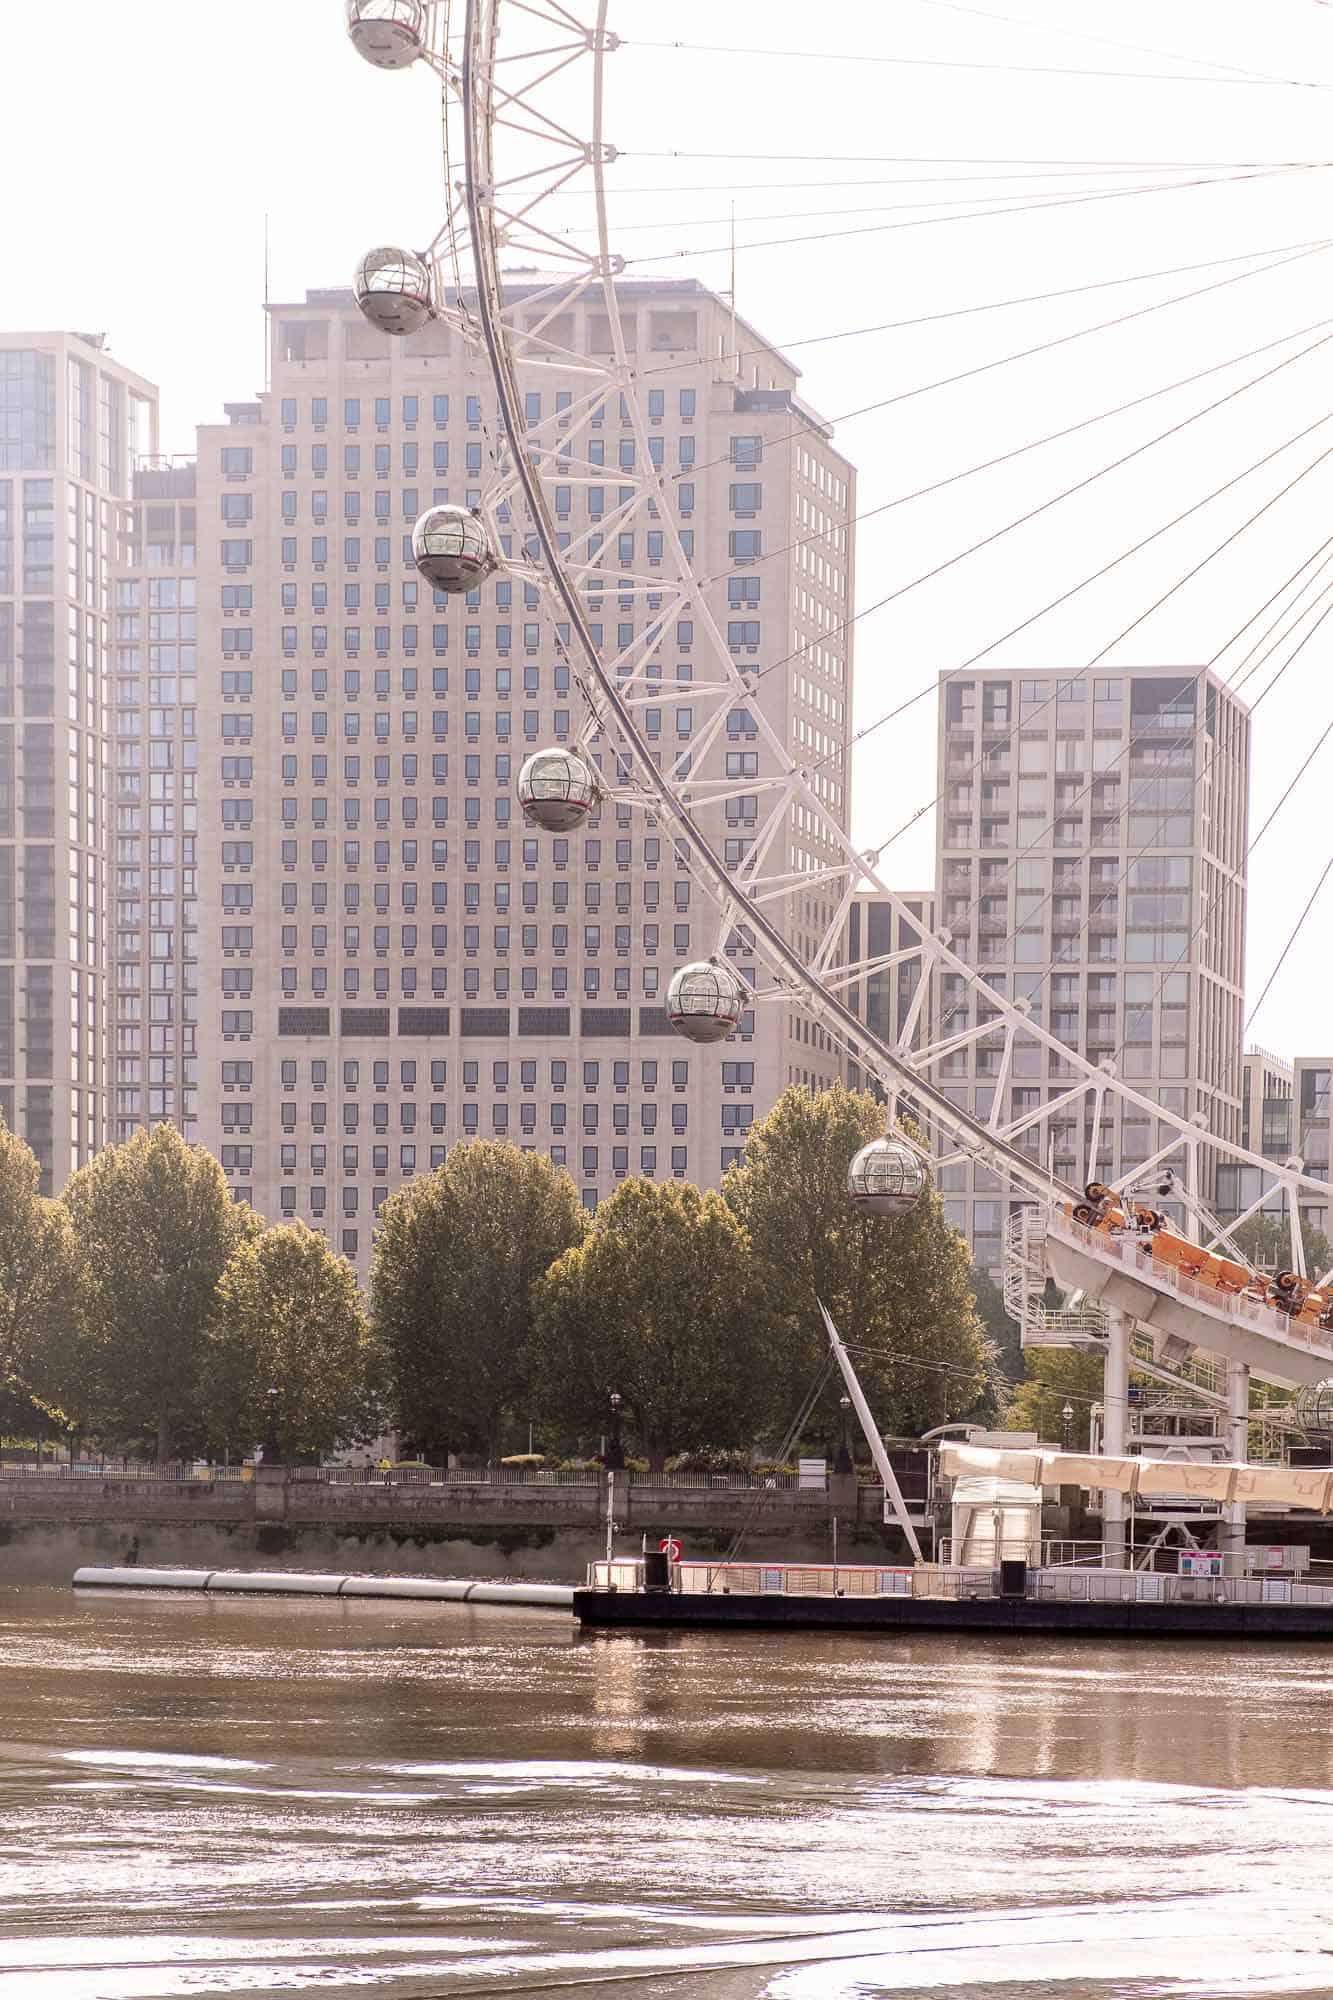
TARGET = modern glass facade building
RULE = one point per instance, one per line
(73, 423)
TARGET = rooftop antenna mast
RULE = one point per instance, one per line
(266, 302)
(735, 343)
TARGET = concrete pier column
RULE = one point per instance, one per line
(269, 1491)
(1238, 1449)
(1115, 1407)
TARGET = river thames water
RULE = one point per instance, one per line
(234, 1798)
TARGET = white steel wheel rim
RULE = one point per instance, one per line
(486, 218)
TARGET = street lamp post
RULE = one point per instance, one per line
(843, 1461)
(615, 1450)
(1066, 1424)
(272, 1447)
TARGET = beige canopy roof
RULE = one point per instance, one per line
(1294, 1486)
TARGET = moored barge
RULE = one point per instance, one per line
(646, 1595)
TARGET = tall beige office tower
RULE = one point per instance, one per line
(391, 960)
(154, 758)
(1091, 861)
(73, 421)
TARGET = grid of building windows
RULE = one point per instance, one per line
(1091, 864)
(395, 960)
(72, 421)
(154, 774)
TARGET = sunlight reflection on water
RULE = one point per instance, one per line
(232, 1798)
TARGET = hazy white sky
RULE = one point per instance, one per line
(143, 143)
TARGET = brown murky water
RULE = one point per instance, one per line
(295, 1798)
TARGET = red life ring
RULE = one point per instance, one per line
(669, 1547)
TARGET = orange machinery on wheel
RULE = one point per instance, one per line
(1110, 1214)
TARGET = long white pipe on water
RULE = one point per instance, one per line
(297, 1583)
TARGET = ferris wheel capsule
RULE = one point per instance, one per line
(557, 790)
(886, 1178)
(449, 548)
(705, 1001)
(393, 289)
(1313, 1409)
(390, 34)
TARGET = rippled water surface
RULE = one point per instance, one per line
(234, 1798)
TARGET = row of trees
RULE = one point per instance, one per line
(151, 1310)
(497, 1299)
(146, 1307)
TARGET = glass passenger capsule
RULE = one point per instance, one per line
(886, 1178)
(388, 33)
(393, 289)
(449, 548)
(705, 1001)
(1314, 1409)
(557, 790)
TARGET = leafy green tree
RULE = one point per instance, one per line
(1002, 1331)
(655, 1305)
(1056, 1376)
(456, 1257)
(38, 1271)
(897, 1288)
(289, 1316)
(25, 1417)
(1266, 1241)
(155, 1227)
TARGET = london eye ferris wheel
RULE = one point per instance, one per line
(524, 85)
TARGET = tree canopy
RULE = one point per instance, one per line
(455, 1261)
(1056, 1376)
(289, 1317)
(657, 1306)
(1266, 1241)
(155, 1227)
(38, 1272)
(1002, 1331)
(898, 1289)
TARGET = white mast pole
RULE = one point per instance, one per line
(892, 1490)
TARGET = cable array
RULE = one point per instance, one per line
(862, 57)
(1020, 354)
(967, 215)
(1095, 576)
(1294, 934)
(1135, 740)
(1066, 493)
(1101, 41)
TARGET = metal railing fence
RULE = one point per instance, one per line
(180, 1471)
(1075, 1585)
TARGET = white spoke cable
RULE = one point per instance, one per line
(1026, 353)
(1127, 749)
(861, 57)
(729, 249)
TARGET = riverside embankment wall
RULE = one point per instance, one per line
(50, 1525)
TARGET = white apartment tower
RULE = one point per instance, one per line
(155, 750)
(391, 960)
(1091, 861)
(73, 422)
